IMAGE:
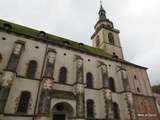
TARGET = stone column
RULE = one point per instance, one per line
(46, 87)
(10, 73)
(79, 89)
(106, 91)
(128, 95)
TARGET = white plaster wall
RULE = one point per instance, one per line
(29, 53)
(141, 82)
(6, 47)
(120, 99)
(98, 98)
(18, 118)
(19, 85)
(32, 53)
(62, 87)
(72, 103)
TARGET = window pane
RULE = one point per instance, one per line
(90, 108)
(63, 75)
(89, 80)
(31, 69)
(23, 103)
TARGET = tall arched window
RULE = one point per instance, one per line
(31, 71)
(111, 84)
(1, 58)
(90, 108)
(116, 110)
(24, 102)
(89, 80)
(111, 38)
(97, 41)
(63, 75)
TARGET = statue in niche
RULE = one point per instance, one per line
(104, 75)
(80, 105)
(51, 57)
(13, 62)
(7, 78)
(79, 70)
(48, 84)
(50, 64)
(108, 94)
(45, 98)
(17, 49)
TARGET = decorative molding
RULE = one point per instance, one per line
(63, 95)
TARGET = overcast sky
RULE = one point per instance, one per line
(138, 21)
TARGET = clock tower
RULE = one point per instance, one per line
(106, 37)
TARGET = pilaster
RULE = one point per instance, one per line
(79, 89)
(10, 73)
(46, 87)
(106, 91)
(128, 94)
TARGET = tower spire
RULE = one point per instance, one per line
(102, 12)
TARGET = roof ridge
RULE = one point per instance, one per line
(20, 29)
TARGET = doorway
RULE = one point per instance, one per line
(62, 111)
(59, 116)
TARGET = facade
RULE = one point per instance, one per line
(45, 77)
(157, 96)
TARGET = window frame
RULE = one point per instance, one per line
(89, 80)
(62, 78)
(20, 107)
(31, 69)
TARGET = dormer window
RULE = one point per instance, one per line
(81, 44)
(42, 34)
(7, 27)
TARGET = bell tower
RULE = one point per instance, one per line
(106, 37)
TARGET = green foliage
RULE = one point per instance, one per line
(156, 88)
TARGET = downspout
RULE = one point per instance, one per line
(40, 83)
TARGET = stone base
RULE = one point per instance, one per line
(79, 119)
(1, 117)
(43, 118)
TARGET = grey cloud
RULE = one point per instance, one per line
(137, 20)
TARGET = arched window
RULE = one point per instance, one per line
(1, 58)
(31, 71)
(138, 90)
(7, 27)
(24, 102)
(90, 108)
(116, 110)
(111, 84)
(111, 38)
(97, 41)
(63, 75)
(42, 34)
(89, 80)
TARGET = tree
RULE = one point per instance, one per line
(156, 88)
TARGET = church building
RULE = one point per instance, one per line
(46, 77)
